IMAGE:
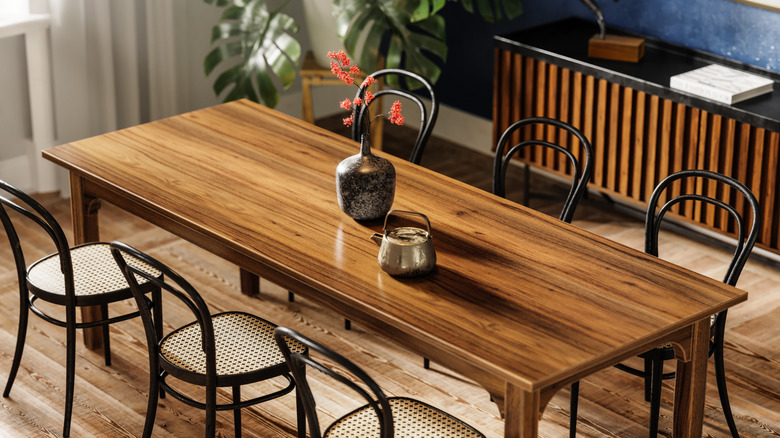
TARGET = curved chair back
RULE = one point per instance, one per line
(335, 363)
(35, 212)
(580, 171)
(135, 264)
(427, 115)
(746, 235)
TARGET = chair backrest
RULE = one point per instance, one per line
(16, 200)
(135, 264)
(581, 163)
(696, 189)
(339, 368)
(427, 115)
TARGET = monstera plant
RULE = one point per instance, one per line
(256, 51)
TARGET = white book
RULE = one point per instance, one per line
(722, 83)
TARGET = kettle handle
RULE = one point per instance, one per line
(407, 213)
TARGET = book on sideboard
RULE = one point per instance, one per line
(721, 83)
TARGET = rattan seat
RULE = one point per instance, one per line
(411, 418)
(381, 417)
(95, 275)
(72, 278)
(244, 344)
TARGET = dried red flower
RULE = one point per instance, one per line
(395, 114)
(342, 67)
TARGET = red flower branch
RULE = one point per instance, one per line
(342, 67)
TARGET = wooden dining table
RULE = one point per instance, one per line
(520, 302)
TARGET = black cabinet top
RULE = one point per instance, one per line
(565, 43)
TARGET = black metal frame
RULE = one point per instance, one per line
(298, 362)
(427, 118)
(342, 370)
(30, 209)
(177, 286)
(654, 359)
(581, 174)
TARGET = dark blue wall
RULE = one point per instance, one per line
(723, 27)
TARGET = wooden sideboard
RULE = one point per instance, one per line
(641, 129)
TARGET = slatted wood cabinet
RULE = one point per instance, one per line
(641, 129)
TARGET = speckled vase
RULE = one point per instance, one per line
(365, 184)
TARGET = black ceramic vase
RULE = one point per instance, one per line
(365, 184)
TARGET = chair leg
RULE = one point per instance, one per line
(151, 405)
(106, 339)
(573, 402)
(70, 368)
(526, 184)
(211, 411)
(300, 412)
(157, 315)
(655, 399)
(21, 336)
(237, 411)
(648, 378)
(720, 377)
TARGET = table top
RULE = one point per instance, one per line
(565, 43)
(517, 294)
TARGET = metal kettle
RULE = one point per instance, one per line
(405, 251)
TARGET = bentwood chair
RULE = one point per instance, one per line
(695, 190)
(517, 133)
(526, 137)
(68, 279)
(381, 416)
(428, 114)
(409, 81)
(580, 172)
(227, 349)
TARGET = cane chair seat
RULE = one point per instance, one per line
(95, 274)
(411, 418)
(244, 344)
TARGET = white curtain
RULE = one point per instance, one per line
(112, 67)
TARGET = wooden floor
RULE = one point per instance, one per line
(111, 401)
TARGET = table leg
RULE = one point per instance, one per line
(522, 413)
(691, 383)
(250, 283)
(307, 106)
(84, 214)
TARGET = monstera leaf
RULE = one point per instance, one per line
(495, 10)
(407, 33)
(253, 43)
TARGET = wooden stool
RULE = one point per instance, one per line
(314, 75)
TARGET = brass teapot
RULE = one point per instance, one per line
(406, 251)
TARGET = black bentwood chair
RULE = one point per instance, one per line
(580, 174)
(428, 115)
(224, 349)
(382, 416)
(410, 81)
(695, 193)
(72, 277)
